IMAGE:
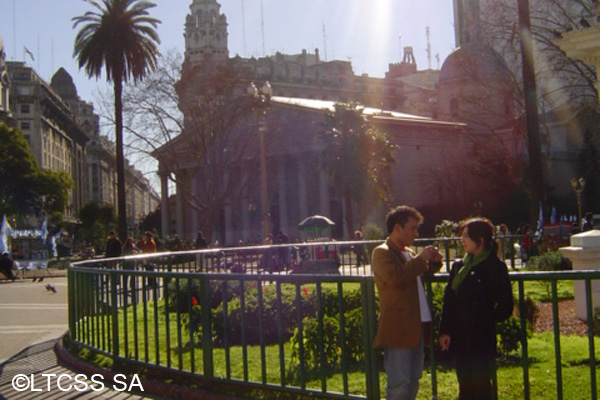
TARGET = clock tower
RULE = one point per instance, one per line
(205, 33)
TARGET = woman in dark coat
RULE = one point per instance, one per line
(478, 295)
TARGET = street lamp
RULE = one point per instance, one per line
(261, 101)
(578, 186)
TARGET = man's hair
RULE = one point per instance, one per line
(400, 216)
(112, 233)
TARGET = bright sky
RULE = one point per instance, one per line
(370, 33)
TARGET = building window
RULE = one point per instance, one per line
(28, 138)
(25, 108)
(25, 125)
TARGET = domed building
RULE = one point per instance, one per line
(5, 114)
(476, 86)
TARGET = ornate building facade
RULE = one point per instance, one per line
(64, 135)
(304, 87)
(5, 113)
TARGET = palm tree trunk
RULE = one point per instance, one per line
(121, 199)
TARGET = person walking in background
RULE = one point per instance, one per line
(404, 318)
(359, 249)
(588, 222)
(477, 296)
(528, 244)
(201, 242)
(113, 246)
(502, 241)
(6, 266)
(129, 248)
(148, 245)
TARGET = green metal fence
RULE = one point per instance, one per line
(251, 324)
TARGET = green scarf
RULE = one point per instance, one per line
(468, 263)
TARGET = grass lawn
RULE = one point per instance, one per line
(172, 347)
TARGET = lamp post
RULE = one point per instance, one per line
(261, 99)
(578, 186)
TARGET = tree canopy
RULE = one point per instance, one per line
(26, 188)
(356, 157)
(120, 37)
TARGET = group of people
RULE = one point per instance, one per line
(114, 248)
(477, 296)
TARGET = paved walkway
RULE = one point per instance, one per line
(32, 319)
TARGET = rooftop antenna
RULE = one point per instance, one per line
(262, 26)
(437, 58)
(324, 42)
(400, 43)
(428, 46)
(14, 31)
(244, 26)
(38, 52)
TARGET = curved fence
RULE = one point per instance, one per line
(262, 317)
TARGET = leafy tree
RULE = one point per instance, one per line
(195, 115)
(97, 219)
(356, 157)
(26, 188)
(19, 172)
(566, 86)
(119, 36)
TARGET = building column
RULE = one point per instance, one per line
(195, 213)
(164, 204)
(303, 195)
(246, 227)
(229, 235)
(283, 208)
(324, 195)
(179, 211)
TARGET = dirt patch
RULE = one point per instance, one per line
(568, 322)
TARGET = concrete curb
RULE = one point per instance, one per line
(151, 387)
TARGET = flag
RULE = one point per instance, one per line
(5, 232)
(553, 217)
(53, 239)
(28, 52)
(540, 227)
(44, 229)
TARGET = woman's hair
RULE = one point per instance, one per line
(480, 230)
(129, 242)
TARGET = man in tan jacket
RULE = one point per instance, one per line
(402, 300)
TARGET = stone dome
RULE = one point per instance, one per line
(474, 61)
(62, 83)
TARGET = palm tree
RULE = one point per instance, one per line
(356, 158)
(121, 37)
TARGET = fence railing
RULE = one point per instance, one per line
(224, 315)
(352, 257)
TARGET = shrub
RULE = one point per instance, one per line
(532, 311)
(509, 335)
(252, 315)
(190, 293)
(328, 342)
(551, 261)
